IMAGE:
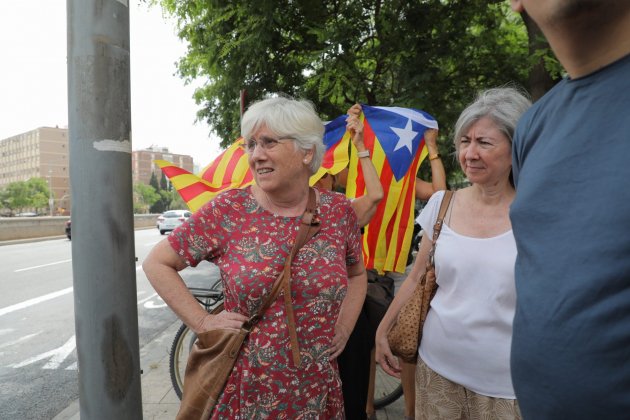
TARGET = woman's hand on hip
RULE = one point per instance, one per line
(339, 341)
(224, 319)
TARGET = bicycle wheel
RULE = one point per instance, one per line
(387, 389)
(182, 343)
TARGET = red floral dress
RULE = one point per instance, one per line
(249, 245)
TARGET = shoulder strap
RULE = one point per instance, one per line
(437, 228)
(308, 227)
(446, 200)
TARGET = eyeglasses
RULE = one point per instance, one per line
(266, 143)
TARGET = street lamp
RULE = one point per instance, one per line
(51, 200)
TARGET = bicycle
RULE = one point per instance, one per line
(387, 389)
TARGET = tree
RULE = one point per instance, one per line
(145, 196)
(154, 182)
(4, 202)
(177, 202)
(430, 54)
(164, 184)
(546, 70)
(163, 202)
(38, 193)
(20, 195)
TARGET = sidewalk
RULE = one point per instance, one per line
(159, 401)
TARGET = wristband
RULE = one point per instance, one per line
(435, 156)
(365, 153)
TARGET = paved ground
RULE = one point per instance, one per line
(159, 401)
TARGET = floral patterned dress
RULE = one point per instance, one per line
(249, 245)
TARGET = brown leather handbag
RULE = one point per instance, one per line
(214, 353)
(404, 337)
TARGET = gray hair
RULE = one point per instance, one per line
(288, 117)
(504, 106)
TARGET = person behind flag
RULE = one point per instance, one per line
(463, 369)
(571, 217)
(424, 189)
(365, 205)
(247, 233)
(356, 359)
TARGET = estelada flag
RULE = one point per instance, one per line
(336, 142)
(395, 138)
(228, 170)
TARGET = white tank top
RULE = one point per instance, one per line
(468, 331)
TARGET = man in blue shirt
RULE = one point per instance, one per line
(571, 219)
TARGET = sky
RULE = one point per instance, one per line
(33, 78)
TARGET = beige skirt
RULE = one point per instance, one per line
(438, 398)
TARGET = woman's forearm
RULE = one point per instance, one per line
(161, 268)
(406, 289)
(402, 296)
(353, 302)
(438, 175)
(366, 205)
(373, 187)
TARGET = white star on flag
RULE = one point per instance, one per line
(405, 136)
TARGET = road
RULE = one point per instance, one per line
(38, 361)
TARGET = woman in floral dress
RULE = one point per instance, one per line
(248, 234)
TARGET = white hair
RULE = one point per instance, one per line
(288, 117)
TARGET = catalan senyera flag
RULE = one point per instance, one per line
(231, 170)
(395, 138)
(228, 170)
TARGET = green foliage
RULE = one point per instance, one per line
(154, 182)
(161, 197)
(163, 203)
(432, 55)
(164, 184)
(21, 195)
(177, 202)
(38, 192)
(145, 197)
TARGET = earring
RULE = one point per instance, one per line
(305, 161)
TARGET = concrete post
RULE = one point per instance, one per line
(103, 256)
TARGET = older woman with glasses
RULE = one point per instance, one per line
(248, 234)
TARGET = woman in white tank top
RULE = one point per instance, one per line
(463, 369)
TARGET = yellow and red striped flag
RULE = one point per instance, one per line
(228, 170)
(231, 170)
(395, 138)
(336, 142)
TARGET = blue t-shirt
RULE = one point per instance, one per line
(571, 220)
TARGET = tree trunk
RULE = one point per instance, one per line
(540, 81)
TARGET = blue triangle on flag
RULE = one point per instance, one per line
(399, 136)
(334, 131)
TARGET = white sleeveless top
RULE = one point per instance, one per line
(468, 331)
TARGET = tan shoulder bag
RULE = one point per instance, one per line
(404, 337)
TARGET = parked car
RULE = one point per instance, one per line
(172, 219)
(27, 214)
(68, 229)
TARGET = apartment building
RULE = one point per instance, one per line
(44, 153)
(40, 153)
(142, 166)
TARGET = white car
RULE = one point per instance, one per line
(171, 219)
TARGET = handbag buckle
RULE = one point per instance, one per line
(249, 324)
